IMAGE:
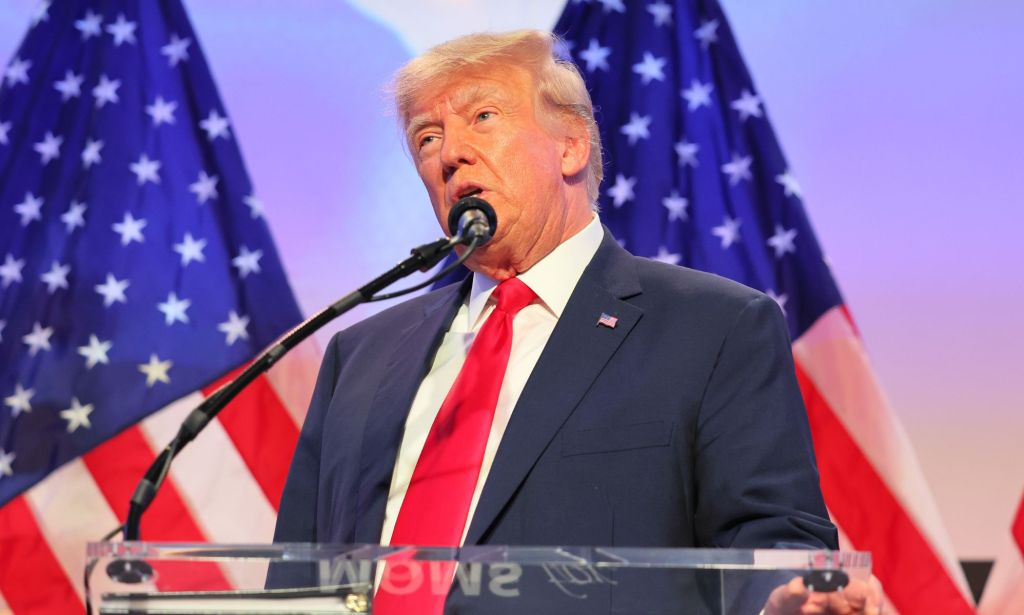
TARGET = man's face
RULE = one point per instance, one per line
(478, 133)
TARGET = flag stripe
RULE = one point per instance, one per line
(217, 488)
(75, 513)
(914, 578)
(29, 564)
(263, 432)
(117, 466)
(835, 360)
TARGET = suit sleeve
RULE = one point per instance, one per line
(757, 480)
(296, 518)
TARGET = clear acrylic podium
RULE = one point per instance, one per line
(141, 578)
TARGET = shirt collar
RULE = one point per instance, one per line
(553, 278)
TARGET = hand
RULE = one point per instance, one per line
(857, 597)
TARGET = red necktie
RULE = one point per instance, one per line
(436, 504)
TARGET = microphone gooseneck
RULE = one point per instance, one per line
(476, 221)
(472, 218)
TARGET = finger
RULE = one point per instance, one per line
(839, 605)
(788, 598)
(817, 604)
(856, 595)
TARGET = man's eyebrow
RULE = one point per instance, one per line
(461, 99)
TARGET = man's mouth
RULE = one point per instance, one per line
(467, 191)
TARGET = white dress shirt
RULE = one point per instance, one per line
(553, 279)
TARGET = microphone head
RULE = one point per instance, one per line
(458, 220)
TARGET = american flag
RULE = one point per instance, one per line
(695, 176)
(136, 269)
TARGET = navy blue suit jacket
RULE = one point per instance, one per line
(681, 426)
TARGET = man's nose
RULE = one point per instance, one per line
(457, 149)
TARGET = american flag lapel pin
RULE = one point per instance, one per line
(607, 320)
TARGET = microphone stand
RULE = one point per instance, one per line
(423, 258)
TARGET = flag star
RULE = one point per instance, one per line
(205, 188)
(707, 33)
(650, 68)
(113, 290)
(748, 105)
(174, 309)
(779, 299)
(782, 241)
(737, 169)
(156, 370)
(74, 217)
(89, 25)
(20, 401)
(10, 271)
(30, 209)
(622, 191)
(17, 71)
(146, 170)
(676, 206)
(662, 13)
(697, 95)
(129, 229)
(49, 148)
(728, 231)
(247, 262)
(77, 415)
(5, 130)
(255, 206)
(190, 249)
(162, 111)
(613, 5)
(687, 153)
(6, 459)
(215, 126)
(95, 352)
(106, 91)
(91, 153)
(234, 328)
(176, 50)
(122, 30)
(596, 56)
(664, 256)
(70, 86)
(788, 181)
(42, 13)
(637, 128)
(39, 339)
(56, 277)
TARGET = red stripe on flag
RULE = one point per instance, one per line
(913, 577)
(31, 579)
(117, 466)
(1018, 527)
(263, 432)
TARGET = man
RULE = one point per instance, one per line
(568, 393)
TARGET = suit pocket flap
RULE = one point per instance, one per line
(617, 438)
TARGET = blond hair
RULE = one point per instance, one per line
(560, 88)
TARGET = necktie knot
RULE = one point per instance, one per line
(513, 295)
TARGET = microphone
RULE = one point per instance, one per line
(472, 218)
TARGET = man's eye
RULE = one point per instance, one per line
(427, 140)
(485, 115)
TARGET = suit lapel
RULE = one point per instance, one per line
(573, 358)
(409, 363)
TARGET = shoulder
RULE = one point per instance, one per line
(672, 287)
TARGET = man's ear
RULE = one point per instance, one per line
(575, 148)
